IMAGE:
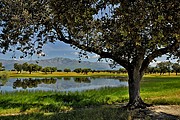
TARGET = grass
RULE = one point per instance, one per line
(162, 90)
(97, 113)
(59, 101)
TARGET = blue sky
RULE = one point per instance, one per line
(52, 50)
(60, 49)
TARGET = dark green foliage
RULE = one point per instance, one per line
(67, 70)
(164, 67)
(49, 69)
(86, 70)
(123, 32)
(46, 70)
(59, 70)
(78, 70)
(25, 66)
(176, 67)
(18, 67)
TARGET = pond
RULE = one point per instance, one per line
(61, 84)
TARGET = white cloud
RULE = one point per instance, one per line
(76, 53)
(95, 56)
(154, 63)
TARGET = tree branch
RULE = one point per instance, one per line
(102, 54)
(158, 53)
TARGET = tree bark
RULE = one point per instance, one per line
(135, 100)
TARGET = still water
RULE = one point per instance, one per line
(61, 84)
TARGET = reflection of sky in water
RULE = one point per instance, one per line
(67, 85)
(10, 89)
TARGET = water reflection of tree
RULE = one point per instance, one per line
(32, 82)
(120, 78)
(67, 78)
(82, 79)
(3, 82)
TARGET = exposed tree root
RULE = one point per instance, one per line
(135, 104)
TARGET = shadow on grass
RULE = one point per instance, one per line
(96, 113)
(9, 104)
(74, 100)
(56, 103)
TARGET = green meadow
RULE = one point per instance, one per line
(155, 89)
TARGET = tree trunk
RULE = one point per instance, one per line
(135, 100)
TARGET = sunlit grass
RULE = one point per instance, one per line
(162, 75)
(62, 74)
(161, 90)
(60, 101)
(73, 74)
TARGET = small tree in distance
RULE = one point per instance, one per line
(130, 33)
(78, 70)
(18, 67)
(67, 70)
(25, 66)
(176, 67)
(53, 69)
(164, 67)
(86, 70)
(30, 68)
(59, 70)
(46, 70)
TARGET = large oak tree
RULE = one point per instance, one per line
(131, 33)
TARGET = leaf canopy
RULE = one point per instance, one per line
(124, 31)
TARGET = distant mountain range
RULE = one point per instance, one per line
(60, 63)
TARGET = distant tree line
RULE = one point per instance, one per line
(161, 68)
(80, 70)
(33, 68)
(164, 67)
